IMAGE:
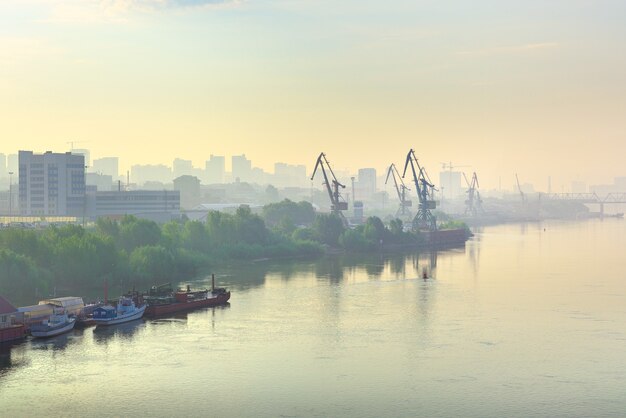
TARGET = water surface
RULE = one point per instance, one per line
(526, 320)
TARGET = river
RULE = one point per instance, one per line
(526, 320)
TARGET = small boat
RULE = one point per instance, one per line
(58, 323)
(162, 300)
(126, 311)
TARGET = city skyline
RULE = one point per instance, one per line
(531, 88)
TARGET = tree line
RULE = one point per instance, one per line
(143, 251)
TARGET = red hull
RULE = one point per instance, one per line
(11, 333)
(156, 310)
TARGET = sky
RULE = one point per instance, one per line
(500, 87)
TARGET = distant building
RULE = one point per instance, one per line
(579, 187)
(450, 184)
(109, 166)
(366, 186)
(156, 205)
(140, 174)
(258, 176)
(189, 188)
(215, 168)
(12, 163)
(102, 182)
(51, 184)
(288, 175)
(84, 152)
(7, 208)
(3, 165)
(241, 168)
(182, 167)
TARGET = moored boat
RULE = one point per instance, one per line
(127, 310)
(186, 300)
(162, 300)
(58, 323)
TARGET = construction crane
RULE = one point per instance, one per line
(519, 188)
(474, 203)
(450, 167)
(400, 190)
(337, 204)
(424, 219)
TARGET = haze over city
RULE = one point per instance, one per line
(536, 87)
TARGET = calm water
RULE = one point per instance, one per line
(521, 322)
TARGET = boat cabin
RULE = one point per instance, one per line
(104, 312)
(72, 305)
(34, 314)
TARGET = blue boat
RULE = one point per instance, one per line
(126, 311)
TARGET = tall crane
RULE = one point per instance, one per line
(473, 204)
(519, 188)
(337, 204)
(425, 192)
(400, 190)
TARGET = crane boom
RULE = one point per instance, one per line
(424, 187)
(519, 188)
(332, 185)
(473, 204)
(400, 189)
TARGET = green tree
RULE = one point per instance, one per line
(328, 228)
(136, 232)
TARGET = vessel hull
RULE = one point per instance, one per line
(52, 332)
(156, 310)
(121, 319)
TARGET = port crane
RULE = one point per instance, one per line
(400, 190)
(337, 204)
(519, 188)
(425, 192)
(474, 203)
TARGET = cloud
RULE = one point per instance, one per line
(509, 49)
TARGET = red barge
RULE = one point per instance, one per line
(163, 301)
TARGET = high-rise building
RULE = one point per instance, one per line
(579, 186)
(241, 168)
(287, 175)
(189, 188)
(3, 165)
(215, 168)
(450, 184)
(182, 167)
(51, 184)
(109, 166)
(12, 163)
(101, 182)
(141, 174)
(367, 183)
(84, 152)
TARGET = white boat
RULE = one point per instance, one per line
(126, 311)
(58, 323)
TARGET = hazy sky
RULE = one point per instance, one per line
(534, 87)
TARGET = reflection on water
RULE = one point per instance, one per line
(59, 342)
(12, 357)
(124, 331)
(517, 323)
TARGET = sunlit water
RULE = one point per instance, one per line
(521, 322)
